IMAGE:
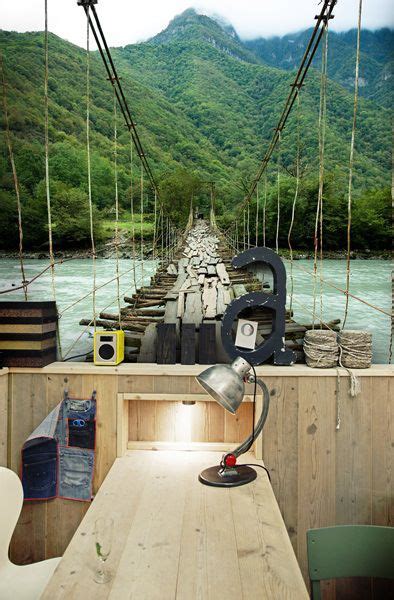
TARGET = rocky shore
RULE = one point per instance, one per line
(81, 253)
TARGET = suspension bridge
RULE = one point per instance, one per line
(175, 316)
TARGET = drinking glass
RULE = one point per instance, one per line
(103, 534)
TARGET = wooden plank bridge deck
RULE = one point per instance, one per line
(177, 318)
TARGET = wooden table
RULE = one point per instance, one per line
(176, 538)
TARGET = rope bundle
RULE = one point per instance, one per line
(352, 349)
(355, 349)
(321, 348)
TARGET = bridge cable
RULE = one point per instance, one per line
(89, 171)
(15, 177)
(295, 198)
(351, 161)
(142, 221)
(310, 51)
(47, 186)
(133, 252)
(278, 195)
(154, 225)
(248, 222)
(257, 216)
(115, 150)
(318, 232)
(265, 209)
(112, 74)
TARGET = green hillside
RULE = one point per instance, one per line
(205, 106)
(376, 66)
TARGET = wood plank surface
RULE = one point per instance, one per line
(316, 468)
(207, 344)
(318, 473)
(166, 343)
(188, 344)
(176, 538)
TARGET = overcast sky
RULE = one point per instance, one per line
(129, 21)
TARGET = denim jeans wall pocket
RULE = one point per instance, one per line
(81, 433)
(75, 473)
(58, 457)
(39, 470)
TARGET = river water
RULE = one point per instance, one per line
(370, 280)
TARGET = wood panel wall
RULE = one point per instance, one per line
(321, 476)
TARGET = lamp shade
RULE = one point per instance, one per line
(225, 383)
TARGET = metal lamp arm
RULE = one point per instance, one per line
(246, 445)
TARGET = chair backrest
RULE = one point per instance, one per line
(349, 551)
(11, 500)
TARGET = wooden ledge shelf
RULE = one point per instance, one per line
(76, 368)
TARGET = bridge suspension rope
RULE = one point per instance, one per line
(15, 176)
(278, 195)
(324, 16)
(351, 162)
(318, 232)
(89, 171)
(47, 182)
(295, 198)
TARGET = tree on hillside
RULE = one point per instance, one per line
(176, 191)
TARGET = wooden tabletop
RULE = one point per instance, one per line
(176, 538)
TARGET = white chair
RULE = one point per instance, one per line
(17, 582)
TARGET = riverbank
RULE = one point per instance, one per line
(109, 252)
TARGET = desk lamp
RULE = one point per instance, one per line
(226, 384)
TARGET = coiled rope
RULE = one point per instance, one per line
(355, 349)
(321, 349)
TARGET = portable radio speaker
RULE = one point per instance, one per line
(108, 347)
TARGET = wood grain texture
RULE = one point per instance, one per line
(179, 539)
(188, 344)
(316, 468)
(280, 448)
(166, 350)
(320, 476)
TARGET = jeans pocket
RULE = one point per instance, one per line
(81, 433)
(76, 474)
(39, 477)
(78, 406)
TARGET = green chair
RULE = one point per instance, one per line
(349, 551)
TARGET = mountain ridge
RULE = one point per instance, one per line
(203, 103)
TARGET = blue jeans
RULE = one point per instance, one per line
(39, 470)
(76, 473)
(58, 457)
(76, 420)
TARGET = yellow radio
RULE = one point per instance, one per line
(108, 347)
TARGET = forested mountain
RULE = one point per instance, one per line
(376, 66)
(204, 102)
